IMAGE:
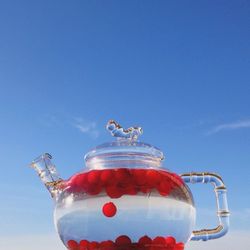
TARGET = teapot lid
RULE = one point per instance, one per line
(126, 151)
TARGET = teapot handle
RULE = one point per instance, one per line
(221, 200)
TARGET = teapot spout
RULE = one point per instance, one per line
(48, 174)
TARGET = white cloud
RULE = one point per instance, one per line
(231, 126)
(86, 127)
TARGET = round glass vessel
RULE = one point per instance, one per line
(125, 199)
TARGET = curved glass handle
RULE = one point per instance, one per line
(221, 200)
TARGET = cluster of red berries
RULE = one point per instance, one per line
(123, 242)
(124, 181)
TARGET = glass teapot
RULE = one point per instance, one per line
(125, 199)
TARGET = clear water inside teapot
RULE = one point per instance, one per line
(136, 216)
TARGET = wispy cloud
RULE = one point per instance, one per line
(86, 127)
(230, 126)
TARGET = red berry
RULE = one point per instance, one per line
(153, 177)
(109, 209)
(73, 184)
(81, 179)
(72, 245)
(179, 246)
(145, 240)
(164, 188)
(123, 176)
(94, 189)
(145, 189)
(130, 189)
(123, 240)
(107, 176)
(83, 245)
(114, 191)
(159, 241)
(107, 245)
(93, 245)
(93, 176)
(139, 176)
(170, 241)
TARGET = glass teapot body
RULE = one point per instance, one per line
(133, 204)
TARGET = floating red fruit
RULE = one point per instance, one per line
(73, 185)
(130, 189)
(81, 178)
(94, 189)
(164, 188)
(153, 177)
(122, 175)
(114, 191)
(107, 176)
(109, 209)
(93, 176)
(123, 240)
(139, 176)
(72, 245)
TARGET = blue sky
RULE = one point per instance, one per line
(179, 69)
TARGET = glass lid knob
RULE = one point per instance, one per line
(118, 131)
